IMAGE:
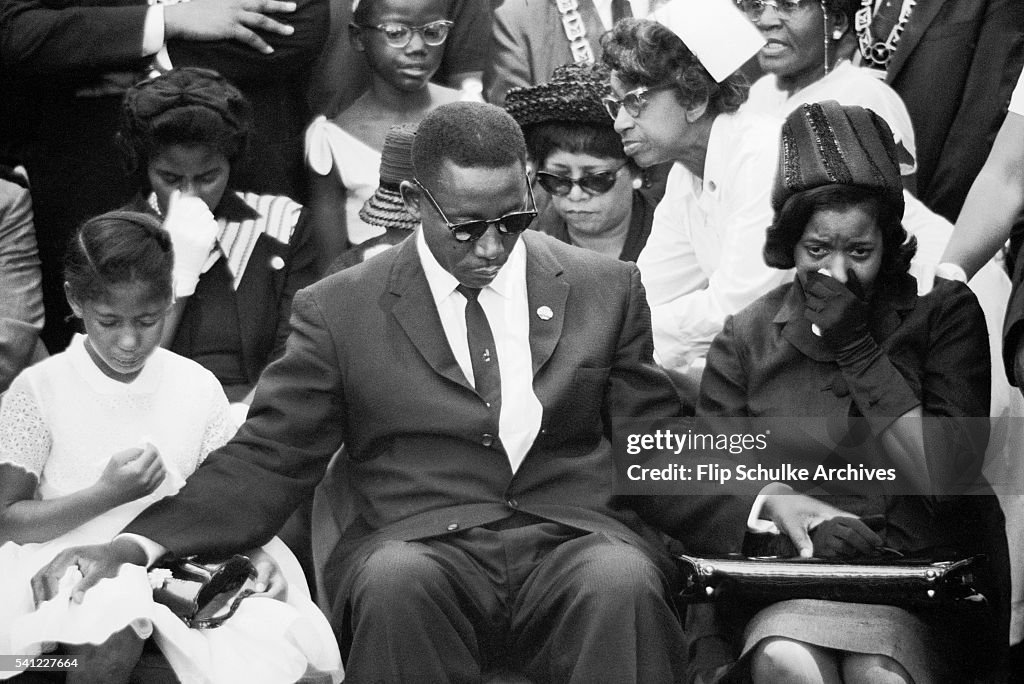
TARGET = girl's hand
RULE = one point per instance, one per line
(269, 580)
(132, 474)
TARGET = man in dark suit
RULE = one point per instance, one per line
(529, 38)
(478, 462)
(978, 48)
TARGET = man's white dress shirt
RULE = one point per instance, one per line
(504, 301)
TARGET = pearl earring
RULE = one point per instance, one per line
(638, 183)
(837, 34)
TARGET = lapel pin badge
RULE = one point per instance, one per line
(276, 262)
(545, 313)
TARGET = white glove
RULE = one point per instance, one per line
(193, 233)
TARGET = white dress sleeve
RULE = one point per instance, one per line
(319, 144)
(25, 438)
(220, 427)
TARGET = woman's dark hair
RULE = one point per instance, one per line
(188, 106)
(645, 53)
(791, 221)
(542, 139)
(119, 247)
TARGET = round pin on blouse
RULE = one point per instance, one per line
(545, 313)
(276, 263)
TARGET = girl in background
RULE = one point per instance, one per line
(403, 42)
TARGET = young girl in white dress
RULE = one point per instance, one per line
(403, 43)
(92, 436)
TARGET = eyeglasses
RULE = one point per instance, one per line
(634, 101)
(399, 35)
(755, 8)
(592, 183)
(470, 231)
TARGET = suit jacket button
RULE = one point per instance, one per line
(487, 440)
(512, 503)
(453, 526)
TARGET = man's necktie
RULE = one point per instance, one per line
(621, 9)
(482, 350)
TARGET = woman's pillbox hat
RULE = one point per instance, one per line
(824, 143)
(715, 31)
(385, 207)
(573, 94)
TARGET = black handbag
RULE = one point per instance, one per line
(899, 582)
(203, 595)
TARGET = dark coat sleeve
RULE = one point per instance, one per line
(703, 524)
(244, 491)
(38, 38)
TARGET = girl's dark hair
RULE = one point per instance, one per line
(119, 247)
(645, 53)
(790, 222)
(188, 106)
(542, 139)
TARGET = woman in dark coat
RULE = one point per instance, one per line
(850, 338)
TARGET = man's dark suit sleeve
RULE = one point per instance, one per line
(243, 493)
(37, 39)
(704, 524)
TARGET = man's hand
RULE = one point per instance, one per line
(206, 20)
(797, 514)
(95, 563)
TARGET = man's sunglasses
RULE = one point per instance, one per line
(470, 231)
(634, 101)
(398, 35)
(592, 184)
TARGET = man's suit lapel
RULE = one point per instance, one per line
(546, 293)
(922, 16)
(414, 309)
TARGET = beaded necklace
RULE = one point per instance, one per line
(878, 53)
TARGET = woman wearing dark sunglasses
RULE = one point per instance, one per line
(594, 187)
(403, 43)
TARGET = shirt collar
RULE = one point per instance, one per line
(442, 283)
(233, 208)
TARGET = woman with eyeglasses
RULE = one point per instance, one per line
(402, 42)
(702, 261)
(594, 187)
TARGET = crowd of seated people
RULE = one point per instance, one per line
(807, 194)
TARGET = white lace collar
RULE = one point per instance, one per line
(147, 381)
